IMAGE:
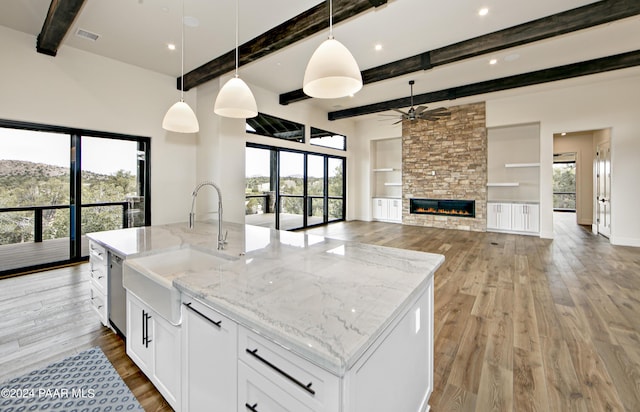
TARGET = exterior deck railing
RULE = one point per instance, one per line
(38, 210)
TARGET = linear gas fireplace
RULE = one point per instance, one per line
(461, 208)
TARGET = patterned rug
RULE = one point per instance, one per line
(86, 382)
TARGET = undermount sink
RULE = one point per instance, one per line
(151, 277)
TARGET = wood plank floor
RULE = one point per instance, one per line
(521, 323)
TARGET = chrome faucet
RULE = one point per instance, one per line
(192, 216)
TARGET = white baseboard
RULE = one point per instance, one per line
(624, 241)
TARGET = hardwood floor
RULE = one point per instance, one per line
(521, 323)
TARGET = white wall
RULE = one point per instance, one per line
(571, 105)
(83, 90)
(367, 130)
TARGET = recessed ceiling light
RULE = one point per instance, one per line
(563, 134)
(378, 47)
(483, 11)
(493, 61)
(171, 46)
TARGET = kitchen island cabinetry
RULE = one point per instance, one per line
(209, 342)
(154, 345)
(98, 273)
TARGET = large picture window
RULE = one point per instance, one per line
(287, 189)
(59, 184)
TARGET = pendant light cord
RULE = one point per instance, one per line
(237, 2)
(331, 19)
(182, 55)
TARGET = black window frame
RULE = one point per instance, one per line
(75, 199)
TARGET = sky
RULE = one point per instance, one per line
(257, 164)
(99, 155)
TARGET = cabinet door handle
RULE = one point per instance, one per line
(145, 328)
(306, 387)
(253, 407)
(218, 323)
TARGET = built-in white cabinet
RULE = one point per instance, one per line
(209, 343)
(526, 218)
(229, 367)
(513, 217)
(98, 273)
(499, 216)
(386, 209)
(154, 345)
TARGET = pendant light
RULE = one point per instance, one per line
(180, 118)
(235, 98)
(332, 71)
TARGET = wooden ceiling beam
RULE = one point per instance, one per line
(303, 25)
(604, 64)
(580, 18)
(59, 19)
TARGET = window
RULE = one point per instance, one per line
(271, 126)
(564, 182)
(58, 184)
(287, 189)
(324, 138)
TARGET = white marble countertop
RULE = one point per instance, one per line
(326, 300)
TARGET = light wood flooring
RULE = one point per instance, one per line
(521, 323)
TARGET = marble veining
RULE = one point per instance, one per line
(326, 300)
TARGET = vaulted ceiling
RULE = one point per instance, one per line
(137, 32)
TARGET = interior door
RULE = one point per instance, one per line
(604, 188)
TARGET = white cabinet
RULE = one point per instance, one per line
(154, 345)
(387, 209)
(210, 360)
(526, 218)
(98, 270)
(293, 381)
(499, 216)
(513, 217)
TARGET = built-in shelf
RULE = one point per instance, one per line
(386, 169)
(506, 184)
(522, 165)
(392, 184)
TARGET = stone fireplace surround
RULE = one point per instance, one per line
(446, 159)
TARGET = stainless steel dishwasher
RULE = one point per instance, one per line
(117, 296)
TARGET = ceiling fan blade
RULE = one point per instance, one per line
(400, 111)
(399, 121)
(439, 110)
(392, 115)
(421, 109)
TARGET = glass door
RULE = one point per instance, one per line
(291, 190)
(57, 184)
(315, 190)
(34, 198)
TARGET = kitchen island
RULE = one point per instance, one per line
(298, 322)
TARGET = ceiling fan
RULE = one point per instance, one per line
(420, 112)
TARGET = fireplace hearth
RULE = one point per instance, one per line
(443, 207)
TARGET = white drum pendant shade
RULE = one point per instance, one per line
(180, 118)
(332, 72)
(235, 100)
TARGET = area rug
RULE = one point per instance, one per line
(86, 382)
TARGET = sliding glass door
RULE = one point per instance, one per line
(58, 185)
(287, 189)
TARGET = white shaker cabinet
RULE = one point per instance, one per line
(499, 216)
(154, 345)
(387, 209)
(523, 218)
(210, 360)
(526, 218)
(98, 270)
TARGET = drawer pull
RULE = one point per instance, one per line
(218, 323)
(252, 407)
(306, 387)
